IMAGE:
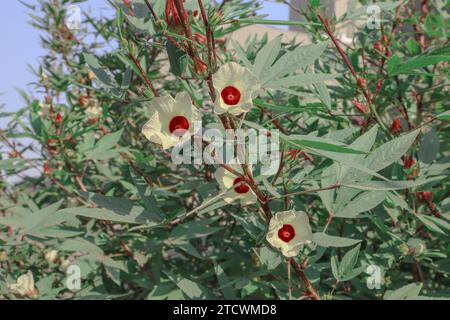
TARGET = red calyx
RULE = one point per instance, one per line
(408, 162)
(424, 196)
(396, 125)
(173, 17)
(59, 119)
(361, 107)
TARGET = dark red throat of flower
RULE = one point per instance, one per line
(286, 233)
(231, 95)
(241, 188)
(178, 126)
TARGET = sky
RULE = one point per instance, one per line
(21, 45)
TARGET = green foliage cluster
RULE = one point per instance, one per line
(364, 142)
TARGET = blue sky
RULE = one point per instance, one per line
(21, 45)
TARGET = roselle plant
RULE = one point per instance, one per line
(94, 203)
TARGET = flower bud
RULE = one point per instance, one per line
(47, 169)
(24, 287)
(417, 246)
(201, 39)
(424, 196)
(378, 47)
(173, 18)
(408, 162)
(83, 101)
(51, 256)
(361, 107)
(58, 119)
(396, 125)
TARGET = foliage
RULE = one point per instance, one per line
(364, 152)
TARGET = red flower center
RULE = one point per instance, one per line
(286, 233)
(231, 95)
(242, 188)
(178, 126)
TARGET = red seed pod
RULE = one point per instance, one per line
(424, 196)
(385, 39)
(173, 18)
(201, 39)
(396, 125)
(83, 101)
(52, 141)
(378, 47)
(195, 13)
(47, 169)
(293, 154)
(126, 2)
(200, 67)
(361, 82)
(361, 107)
(59, 119)
(408, 162)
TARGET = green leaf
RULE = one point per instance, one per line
(224, 282)
(302, 80)
(408, 292)
(191, 289)
(177, 59)
(345, 270)
(390, 152)
(270, 258)
(195, 229)
(417, 63)
(266, 57)
(80, 245)
(300, 142)
(365, 201)
(325, 240)
(390, 185)
(444, 116)
(293, 60)
(429, 147)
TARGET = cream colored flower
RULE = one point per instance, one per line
(51, 256)
(2, 256)
(93, 112)
(235, 87)
(24, 286)
(288, 231)
(44, 109)
(236, 188)
(171, 120)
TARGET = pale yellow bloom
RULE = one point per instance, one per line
(171, 120)
(93, 111)
(235, 88)
(51, 256)
(288, 231)
(24, 286)
(236, 189)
